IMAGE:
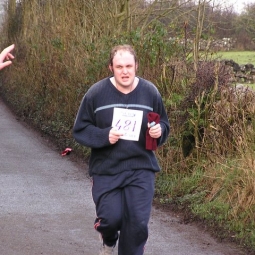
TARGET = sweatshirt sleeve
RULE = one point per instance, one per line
(164, 122)
(85, 130)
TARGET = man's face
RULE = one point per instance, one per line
(124, 69)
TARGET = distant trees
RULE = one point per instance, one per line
(245, 27)
(181, 17)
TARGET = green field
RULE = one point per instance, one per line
(240, 57)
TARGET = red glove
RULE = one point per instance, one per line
(151, 143)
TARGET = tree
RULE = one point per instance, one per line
(245, 28)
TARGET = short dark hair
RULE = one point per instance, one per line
(124, 47)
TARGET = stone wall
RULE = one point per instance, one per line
(242, 73)
(224, 44)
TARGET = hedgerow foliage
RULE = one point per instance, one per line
(62, 48)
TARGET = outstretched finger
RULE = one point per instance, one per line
(3, 65)
(10, 56)
(6, 52)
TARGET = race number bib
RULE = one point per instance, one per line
(129, 122)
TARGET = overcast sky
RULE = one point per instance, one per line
(237, 4)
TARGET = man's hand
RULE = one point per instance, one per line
(6, 56)
(155, 131)
(114, 135)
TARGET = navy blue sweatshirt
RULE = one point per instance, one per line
(94, 120)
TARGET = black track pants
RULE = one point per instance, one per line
(123, 206)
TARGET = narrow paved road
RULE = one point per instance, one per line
(46, 206)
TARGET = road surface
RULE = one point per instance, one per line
(46, 205)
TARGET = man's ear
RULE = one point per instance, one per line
(136, 66)
(110, 68)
